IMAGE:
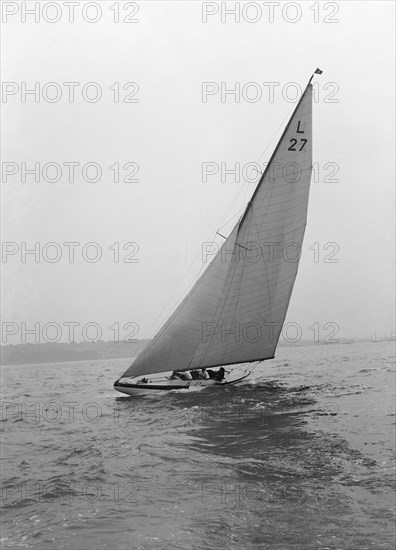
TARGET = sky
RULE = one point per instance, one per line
(152, 104)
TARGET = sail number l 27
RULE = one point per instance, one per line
(293, 142)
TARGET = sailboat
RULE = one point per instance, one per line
(234, 313)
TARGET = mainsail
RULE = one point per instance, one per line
(235, 311)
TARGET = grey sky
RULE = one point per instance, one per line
(170, 132)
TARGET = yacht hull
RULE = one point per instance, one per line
(156, 386)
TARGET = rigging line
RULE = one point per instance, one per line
(225, 219)
(218, 314)
(244, 247)
(169, 309)
(253, 367)
(233, 216)
(272, 139)
(214, 233)
(245, 189)
(236, 244)
(186, 290)
(236, 294)
(176, 309)
(166, 306)
(249, 233)
(177, 287)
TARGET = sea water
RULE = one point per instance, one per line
(301, 455)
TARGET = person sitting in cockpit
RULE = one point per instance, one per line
(220, 374)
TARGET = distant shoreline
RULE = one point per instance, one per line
(34, 354)
(37, 354)
(3, 365)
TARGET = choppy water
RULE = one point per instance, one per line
(300, 456)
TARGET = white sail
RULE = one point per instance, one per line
(236, 310)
